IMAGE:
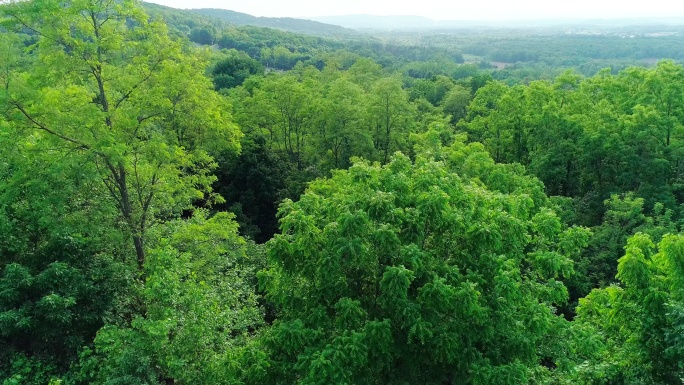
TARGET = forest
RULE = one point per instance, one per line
(186, 200)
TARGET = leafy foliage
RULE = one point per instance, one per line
(61, 273)
(589, 138)
(639, 321)
(201, 309)
(113, 87)
(234, 69)
(381, 274)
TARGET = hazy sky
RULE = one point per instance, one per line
(446, 9)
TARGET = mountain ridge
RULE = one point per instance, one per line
(407, 22)
(299, 25)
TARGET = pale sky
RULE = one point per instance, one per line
(446, 9)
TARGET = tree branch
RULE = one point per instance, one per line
(48, 130)
(143, 80)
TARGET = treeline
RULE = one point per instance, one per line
(282, 50)
(533, 54)
(562, 49)
(339, 222)
(568, 50)
(530, 54)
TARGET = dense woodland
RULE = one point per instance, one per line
(186, 201)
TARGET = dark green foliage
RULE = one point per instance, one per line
(56, 305)
(624, 217)
(201, 309)
(61, 273)
(202, 35)
(253, 184)
(234, 69)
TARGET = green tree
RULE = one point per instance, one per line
(640, 321)
(623, 218)
(342, 131)
(365, 72)
(455, 102)
(390, 115)
(283, 108)
(382, 273)
(234, 69)
(201, 310)
(202, 35)
(589, 138)
(108, 85)
(61, 274)
(485, 122)
(555, 139)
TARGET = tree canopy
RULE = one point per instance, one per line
(382, 273)
(204, 203)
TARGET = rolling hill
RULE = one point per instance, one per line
(308, 27)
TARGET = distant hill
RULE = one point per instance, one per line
(378, 22)
(308, 27)
(408, 22)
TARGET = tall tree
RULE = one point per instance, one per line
(282, 109)
(390, 116)
(342, 131)
(455, 102)
(108, 85)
